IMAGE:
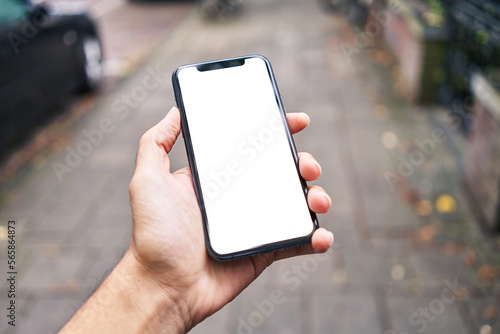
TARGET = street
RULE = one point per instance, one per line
(408, 255)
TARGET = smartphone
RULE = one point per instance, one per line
(242, 157)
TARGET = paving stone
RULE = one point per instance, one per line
(437, 316)
(292, 274)
(260, 315)
(24, 305)
(28, 192)
(50, 273)
(401, 215)
(48, 316)
(73, 232)
(114, 200)
(369, 269)
(111, 231)
(344, 314)
(484, 314)
(434, 268)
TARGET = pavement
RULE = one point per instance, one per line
(409, 256)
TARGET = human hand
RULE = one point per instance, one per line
(168, 242)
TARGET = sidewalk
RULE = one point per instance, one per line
(408, 256)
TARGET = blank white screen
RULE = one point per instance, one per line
(250, 185)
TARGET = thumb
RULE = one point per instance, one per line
(158, 141)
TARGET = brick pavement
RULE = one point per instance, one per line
(395, 252)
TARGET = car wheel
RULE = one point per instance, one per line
(91, 63)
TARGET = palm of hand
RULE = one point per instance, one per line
(171, 243)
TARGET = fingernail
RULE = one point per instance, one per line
(332, 238)
(328, 199)
(308, 118)
(319, 166)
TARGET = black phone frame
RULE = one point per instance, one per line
(266, 248)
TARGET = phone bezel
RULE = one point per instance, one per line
(275, 246)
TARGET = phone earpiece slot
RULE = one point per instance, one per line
(220, 64)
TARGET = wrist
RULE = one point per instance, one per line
(163, 308)
(131, 301)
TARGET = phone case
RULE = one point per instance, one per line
(280, 245)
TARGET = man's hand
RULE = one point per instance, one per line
(168, 237)
(167, 277)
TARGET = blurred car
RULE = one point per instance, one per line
(45, 54)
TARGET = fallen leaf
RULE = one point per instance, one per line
(486, 273)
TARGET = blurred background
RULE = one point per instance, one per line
(404, 100)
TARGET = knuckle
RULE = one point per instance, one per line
(145, 138)
(134, 184)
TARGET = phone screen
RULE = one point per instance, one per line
(251, 190)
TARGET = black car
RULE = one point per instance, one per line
(44, 56)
